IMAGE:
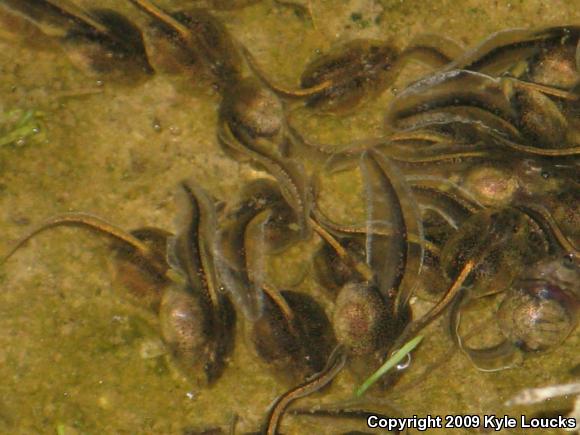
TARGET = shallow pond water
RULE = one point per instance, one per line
(77, 356)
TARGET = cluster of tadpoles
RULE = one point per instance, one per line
(496, 127)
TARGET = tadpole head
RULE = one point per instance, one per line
(557, 66)
(541, 308)
(185, 327)
(362, 320)
(293, 335)
(501, 242)
(252, 109)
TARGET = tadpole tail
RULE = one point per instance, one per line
(59, 10)
(390, 199)
(335, 363)
(450, 295)
(194, 244)
(279, 89)
(92, 222)
(194, 248)
(545, 89)
(244, 279)
(362, 268)
(499, 49)
(156, 12)
(289, 174)
(81, 15)
(432, 50)
(546, 221)
(323, 225)
(578, 56)
(96, 21)
(490, 54)
(528, 149)
(490, 359)
(279, 300)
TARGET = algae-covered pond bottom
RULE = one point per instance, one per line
(76, 356)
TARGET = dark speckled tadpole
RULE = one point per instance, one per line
(154, 258)
(362, 69)
(419, 103)
(203, 37)
(197, 322)
(371, 306)
(525, 117)
(289, 330)
(394, 259)
(251, 116)
(293, 335)
(500, 51)
(540, 310)
(139, 260)
(98, 41)
(356, 71)
(199, 318)
(371, 309)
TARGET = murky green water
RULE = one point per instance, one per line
(73, 351)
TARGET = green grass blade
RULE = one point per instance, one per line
(395, 359)
(26, 127)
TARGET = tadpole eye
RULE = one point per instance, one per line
(568, 261)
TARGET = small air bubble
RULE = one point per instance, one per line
(403, 365)
(156, 124)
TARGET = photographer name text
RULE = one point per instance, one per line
(492, 422)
